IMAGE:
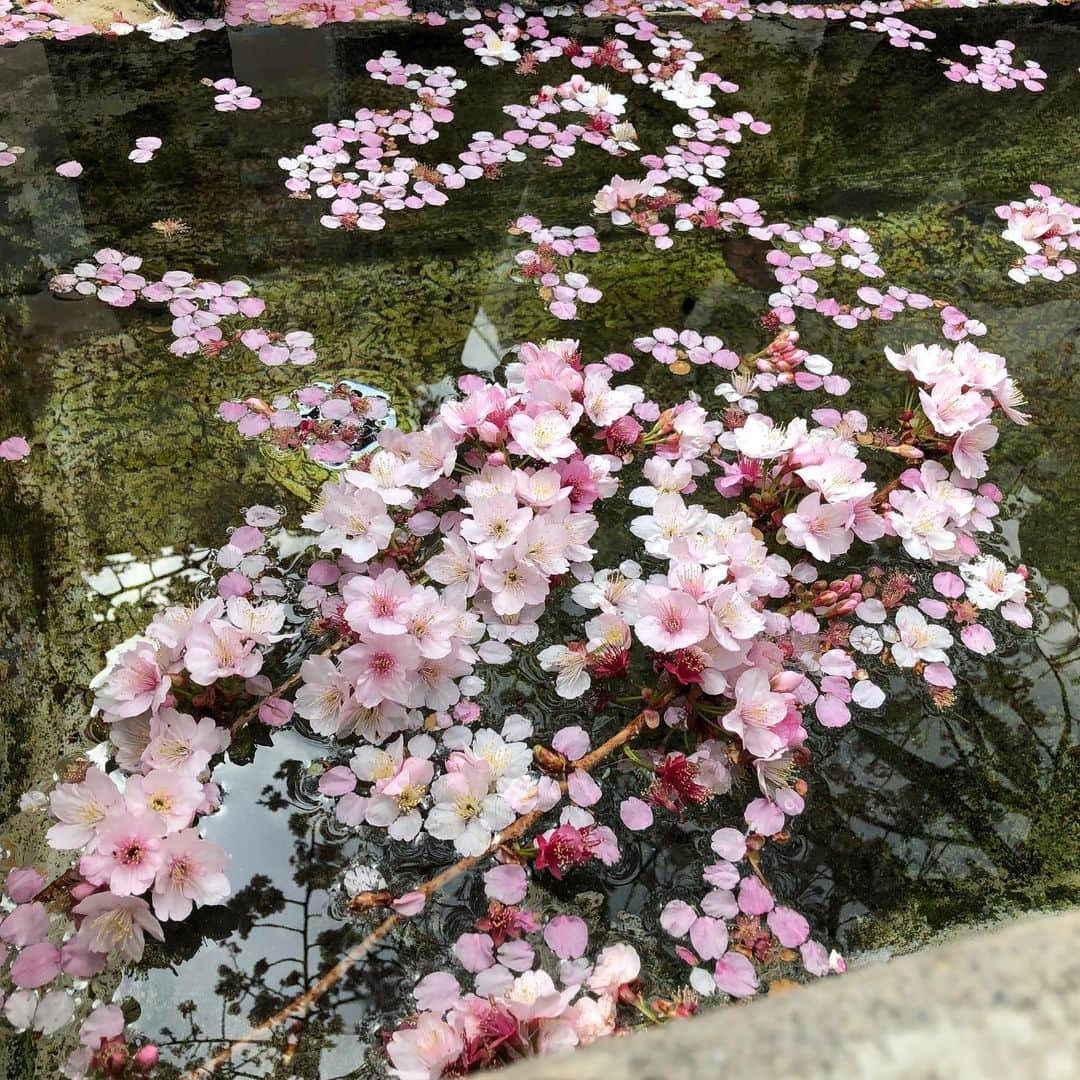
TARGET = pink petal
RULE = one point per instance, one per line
(567, 936)
(410, 903)
(583, 789)
(14, 448)
(507, 884)
(636, 814)
(339, 780)
(790, 928)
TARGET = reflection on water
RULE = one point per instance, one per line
(235, 965)
(918, 820)
(125, 579)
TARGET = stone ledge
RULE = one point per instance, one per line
(995, 1003)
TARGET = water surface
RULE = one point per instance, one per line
(918, 820)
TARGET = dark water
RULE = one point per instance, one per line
(917, 820)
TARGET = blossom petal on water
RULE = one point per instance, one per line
(978, 639)
(583, 789)
(730, 843)
(815, 958)
(14, 448)
(507, 884)
(567, 936)
(410, 903)
(635, 814)
(573, 742)
(709, 936)
(677, 918)
(23, 884)
(764, 817)
(337, 781)
(754, 898)
(436, 992)
(475, 952)
(790, 928)
(735, 975)
(36, 965)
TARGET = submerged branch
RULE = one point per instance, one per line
(248, 715)
(300, 1005)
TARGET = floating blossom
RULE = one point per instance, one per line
(677, 349)
(465, 812)
(918, 640)
(995, 70)
(549, 263)
(500, 568)
(1046, 228)
(190, 872)
(116, 925)
(9, 154)
(232, 96)
(14, 448)
(901, 34)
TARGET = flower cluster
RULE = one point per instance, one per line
(437, 553)
(738, 927)
(199, 308)
(516, 1008)
(23, 21)
(959, 389)
(901, 34)
(231, 96)
(331, 423)
(549, 263)
(430, 558)
(140, 859)
(995, 69)
(1045, 228)
(679, 349)
(378, 178)
(504, 45)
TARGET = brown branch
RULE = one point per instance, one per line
(300, 1005)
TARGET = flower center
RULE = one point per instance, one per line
(132, 854)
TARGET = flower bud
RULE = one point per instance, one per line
(911, 453)
(146, 1058)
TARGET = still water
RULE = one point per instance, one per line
(919, 821)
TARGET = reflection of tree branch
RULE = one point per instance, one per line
(301, 1005)
(927, 778)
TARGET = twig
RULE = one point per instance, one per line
(249, 714)
(300, 1005)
